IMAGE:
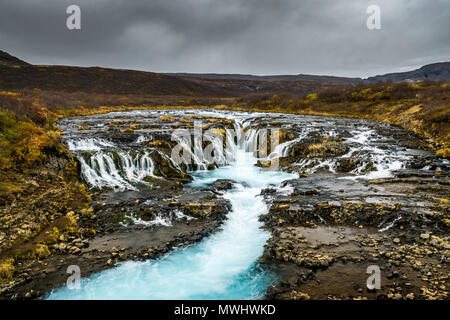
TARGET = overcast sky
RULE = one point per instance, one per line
(230, 36)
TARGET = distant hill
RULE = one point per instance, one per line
(8, 60)
(17, 74)
(249, 77)
(241, 84)
(303, 83)
(435, 71)
(99, 80)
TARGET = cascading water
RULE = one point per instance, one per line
(116, 169)
(222, 266)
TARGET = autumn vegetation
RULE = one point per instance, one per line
(26, 132)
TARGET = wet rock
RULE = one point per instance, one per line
(264, 163)
(147, 213)
(223, 184)
(348, 164)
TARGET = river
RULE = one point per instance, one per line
(223, 265)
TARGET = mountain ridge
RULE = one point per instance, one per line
(433, 71)
(298, 77)
(16, 74)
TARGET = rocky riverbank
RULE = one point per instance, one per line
(116, 240)
(336, 220)
(115, 228)
(367, 193)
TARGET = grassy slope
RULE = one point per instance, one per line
(39, 185)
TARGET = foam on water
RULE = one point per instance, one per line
(363, 146)
(89, 145)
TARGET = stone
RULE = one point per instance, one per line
(425, 236)
(34, 184)
(397, 296)
(264, 163)
(410, 296)
(223, 184)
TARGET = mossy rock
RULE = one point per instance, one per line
(443, 153)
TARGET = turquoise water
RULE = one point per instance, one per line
(222, 266)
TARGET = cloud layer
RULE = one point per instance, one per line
(230, 36)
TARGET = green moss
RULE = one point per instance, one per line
(311, 97)
(6, 269)
(53, 235)
(41, 251)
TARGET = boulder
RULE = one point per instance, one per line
(223, 185)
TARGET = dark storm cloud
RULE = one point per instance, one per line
(230, 36)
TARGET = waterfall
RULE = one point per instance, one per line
(104, 164)
(136, 169)
(116, 169)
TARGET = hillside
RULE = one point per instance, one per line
(99, 80)
(16, 74)
(8, 60)
(108, 81)
(436, 71)
(239, 87)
